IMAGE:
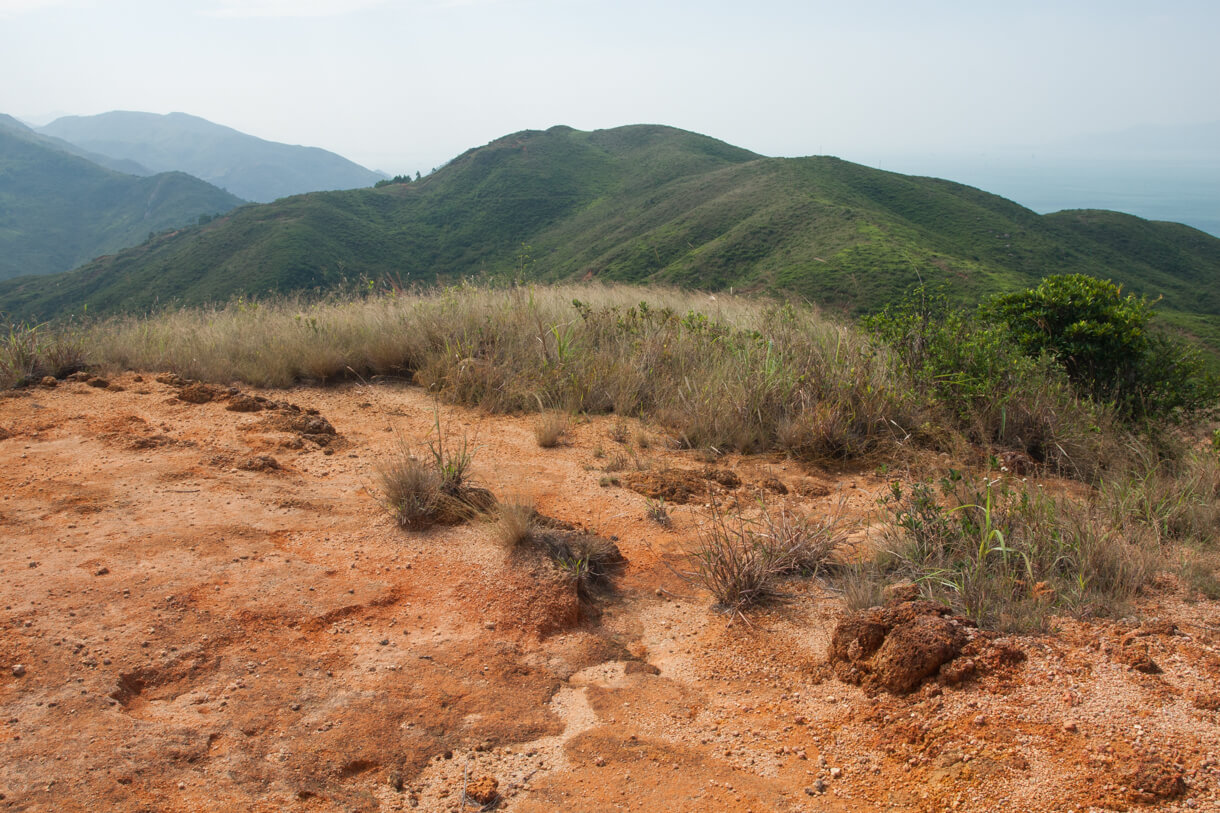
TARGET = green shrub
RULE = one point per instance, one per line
(987, 387)
(1106, 344)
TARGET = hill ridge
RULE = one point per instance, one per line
(650, 203)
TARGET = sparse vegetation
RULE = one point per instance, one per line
(587, 559)
(657, 511)
(29, 352)
(1007, 555)
(515, 523)
(410, 489)
(748, 376)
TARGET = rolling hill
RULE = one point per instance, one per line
(656, 204)
(59, 209)
(249, 167)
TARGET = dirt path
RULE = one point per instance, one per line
(206, 609)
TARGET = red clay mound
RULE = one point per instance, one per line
(897, 647)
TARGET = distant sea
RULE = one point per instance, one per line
(1181, 190)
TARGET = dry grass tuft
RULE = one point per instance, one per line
(516, 524)
(411, 490)
(657, 511)
(436, 489)
(549, 429)
(741, 561)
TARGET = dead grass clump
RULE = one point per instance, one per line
(515, 524)
(411, 490)
(801, 543)
(656, 511)
(741, 561)
(549, 429)
(436, 489)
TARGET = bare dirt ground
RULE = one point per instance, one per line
(208, 609)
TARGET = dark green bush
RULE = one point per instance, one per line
(1107, 345)
(992, 391)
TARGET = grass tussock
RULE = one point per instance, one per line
(515, 524)
(432, 489)
(587, 560)
(549, 429)
(741, 560)
(30, 352)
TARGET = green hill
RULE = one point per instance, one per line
(58, 209)
(249, 167)
(648, 203)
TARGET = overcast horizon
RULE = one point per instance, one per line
(406, 85)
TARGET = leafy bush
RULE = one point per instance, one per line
(1107, 346)
(988, 388)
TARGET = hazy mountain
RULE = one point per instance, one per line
(1157, 172)
(58, 209)
(650, 203)
(248, 167)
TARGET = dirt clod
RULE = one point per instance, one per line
(197, 393)
(675, 486)
(483, 790)
(260, 462)
(243, 403)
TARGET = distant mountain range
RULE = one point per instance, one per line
(648, 203)
(59, 208)
(248, 167)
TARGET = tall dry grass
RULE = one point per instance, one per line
(727, 372)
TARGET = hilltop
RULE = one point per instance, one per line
(58, 208)
(648, 203)
(249, 167)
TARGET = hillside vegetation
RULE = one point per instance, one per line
(249, 167)
(648, 204)
(59, 209)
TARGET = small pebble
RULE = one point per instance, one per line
(18, 670)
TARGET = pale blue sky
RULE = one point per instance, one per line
(401, 85)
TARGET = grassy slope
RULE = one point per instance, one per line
(650, 203)
(59, 210)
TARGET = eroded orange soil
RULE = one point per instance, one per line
(188, 626)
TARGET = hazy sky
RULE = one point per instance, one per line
(401, 85)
